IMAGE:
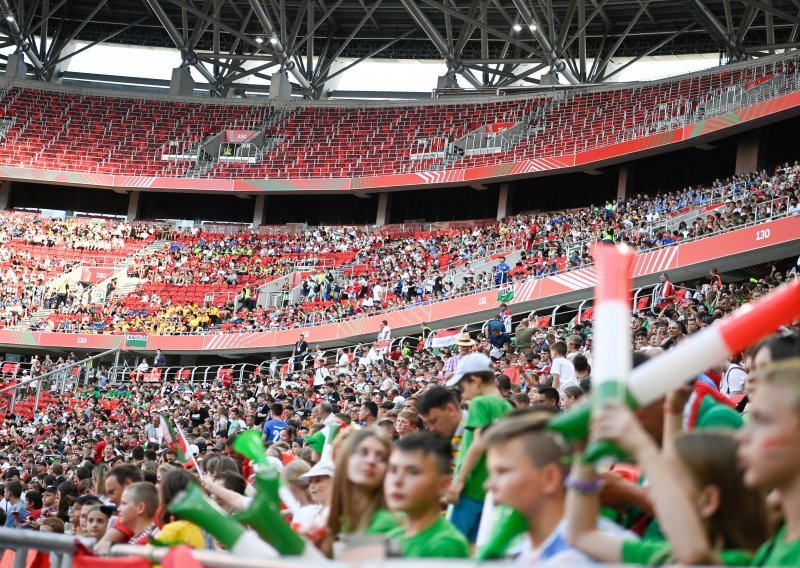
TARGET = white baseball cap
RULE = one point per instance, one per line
(320, 469)
(472, 363)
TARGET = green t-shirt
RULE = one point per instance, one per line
(440, 540)
(656, 553)
(382, 522)
(777, 551)
(483, 412)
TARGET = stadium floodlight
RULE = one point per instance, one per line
(10, 18)
(259, 39)
(273, 40)
(533, 27)
(517, 28)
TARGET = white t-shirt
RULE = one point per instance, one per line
(565, 371)
(732, 380)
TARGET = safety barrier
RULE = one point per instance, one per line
(60, 547)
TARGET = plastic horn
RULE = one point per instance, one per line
(612, 352)
(508, 525)
(656, 377)
(194, 506)
(249, 444)
(264, 515)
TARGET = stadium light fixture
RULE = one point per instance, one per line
(532, 27)
(259, 40)
(9, 18)
(273, 40)
(517, 28)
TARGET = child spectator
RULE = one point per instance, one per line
(770, 454)
(703, 508)
(96, 522)
(527, 469)
(51, 525)
(137, 509)
(418, 477)
(176, 530)
(474, 377)
(357, 500)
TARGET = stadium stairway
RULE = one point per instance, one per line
(127, 284)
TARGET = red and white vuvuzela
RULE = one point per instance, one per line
(711, 346)
(612, 357)
(714, 344)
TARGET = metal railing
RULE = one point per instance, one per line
(193, 375)
(62, 375)
(60, 547)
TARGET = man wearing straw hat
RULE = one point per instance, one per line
(464, 344)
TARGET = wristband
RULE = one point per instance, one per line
(590, 487)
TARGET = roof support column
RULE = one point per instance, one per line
(453, 60)
(19, 36)
(717, 29)
(549, 53)
(177, 39)
(280, 49)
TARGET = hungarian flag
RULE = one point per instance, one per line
(176, 440)
(443, 338)
(505, 293)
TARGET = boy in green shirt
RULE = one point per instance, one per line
(769, 451)
(418, 476)
(474, 377)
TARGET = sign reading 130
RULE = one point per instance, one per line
(762, 234)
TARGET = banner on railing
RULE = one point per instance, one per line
(95, 274)
(443, 338)
(134, 341)
(505, 293)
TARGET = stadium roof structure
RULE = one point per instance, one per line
(485, 43)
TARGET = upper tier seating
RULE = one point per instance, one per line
(66, 131)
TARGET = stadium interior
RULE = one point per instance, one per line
(251, 226)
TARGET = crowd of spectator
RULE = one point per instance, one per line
(37, 249)
(355, 271)
(77, 463)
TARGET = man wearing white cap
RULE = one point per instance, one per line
(474, 377)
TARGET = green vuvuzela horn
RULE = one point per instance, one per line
(194, 506)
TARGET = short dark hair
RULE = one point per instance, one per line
(14, 487)
(503, 382)
(124, 473)
(34, 498)
(437, 397)
(549, 393)
(137, 453)
(559, 347)
(580, 362)
(233, 481)
(371, 407)
(430, 444)
(276, 408)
